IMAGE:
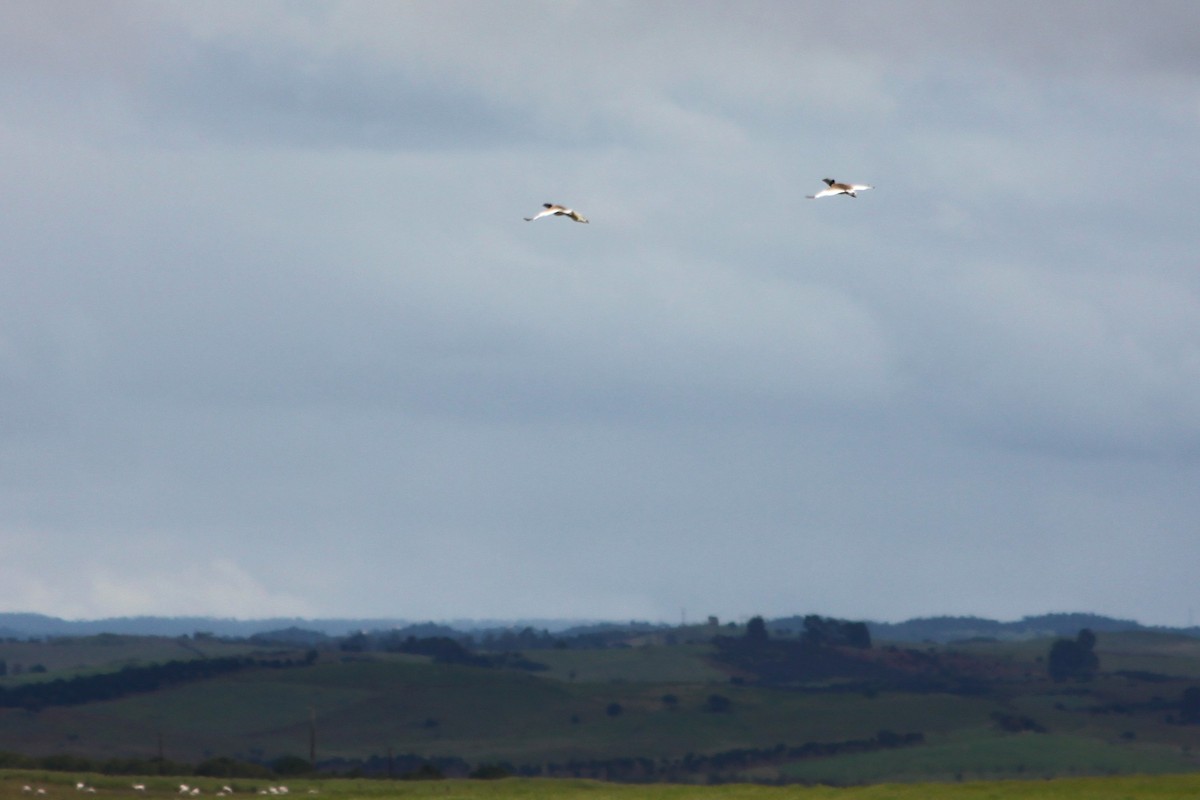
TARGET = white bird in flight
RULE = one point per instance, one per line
(839, 188)
(552, 210)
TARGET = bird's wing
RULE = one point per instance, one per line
(543, 213)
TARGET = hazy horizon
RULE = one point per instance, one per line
(559, 623)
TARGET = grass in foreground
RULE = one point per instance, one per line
(1165, 787)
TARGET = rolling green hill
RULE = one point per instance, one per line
(651, 711)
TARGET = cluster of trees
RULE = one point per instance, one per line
(410, 766)
(398, 765)
(826, 631)
(947, 629)
(405, 766)
(133, 680)
(824, 650)
(116, 766)
(1016, 723)
(818, 631)
(442, 649)
(501, 640)
(1189, 706)
(729, 761)
(17, 669)
(714, 704)
(1073, 659)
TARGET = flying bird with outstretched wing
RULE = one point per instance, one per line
(555, 210)
(833, 187)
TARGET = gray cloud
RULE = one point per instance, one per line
(291, 98)
(273, 335)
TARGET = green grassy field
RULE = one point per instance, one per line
(679, 664)
(479, 715)
(366, 705)
(67, 657)
(1168, 654)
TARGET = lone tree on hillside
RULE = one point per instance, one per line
(1073, 658)
(756, 630)
(821, 631)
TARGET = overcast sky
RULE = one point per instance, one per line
(275, 339)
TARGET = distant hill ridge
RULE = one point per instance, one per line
(950, 629)
(27, 625)
(932, 629)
